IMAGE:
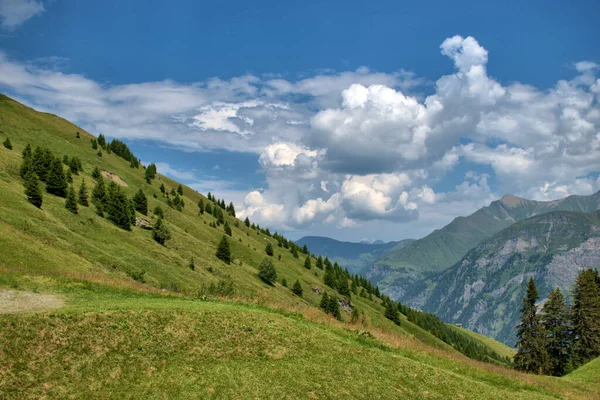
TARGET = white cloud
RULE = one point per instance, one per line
(14, 12)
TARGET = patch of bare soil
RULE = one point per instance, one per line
(114, 177)
(16, 301)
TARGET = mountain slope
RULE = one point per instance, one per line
(483, 290)
(402, 272)
(354, 256)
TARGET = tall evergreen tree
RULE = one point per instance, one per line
(96, 174)
(41, 159)
(297, 288)
(99, 195)
(27, 152)
(227, 229)
(26, 166)
(160, 232)
(586, 317)
(208, 209)
(56, 181)
(180, 189)
(162, 188)
(141, 202)
(71, 201)
(334, 307)
(118, 207)
(391, 312)
(319, 262)
(295, 251)
(532, 355)
(247, 222)
(33, 191)
(307, 263)
(267, 272)
(83, 194)
(201, 207)
(324, 301)
(556, 324)
(74, 165)
(342, 287)
(223, 252)
(132, 216)
(304, 249)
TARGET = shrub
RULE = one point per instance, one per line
(297, 288)
(267, 271)
(160, 232)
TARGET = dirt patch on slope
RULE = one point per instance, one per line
(114, 177)
(14, 301)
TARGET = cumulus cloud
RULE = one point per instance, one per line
(15, 12)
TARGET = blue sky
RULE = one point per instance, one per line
(356, 120)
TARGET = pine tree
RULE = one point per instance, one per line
(307, 263)
(532, 355)
(132, 216)
(83, 194)
(297, 288)
(74, 165)
(42, 159)
(180, 190)
(96, 174)
(231, 209)
(342, 286)
(208, 209)
(247, 222)
(26, 166)
(324, 302)
(223, 252)
(102, 141)
(269, 249)
(227, 229)
(304, 249)
(27, 152)
(141, 202)
(65, 160)
(391, 313)
(71, 201)
(7, 144)
(556, 323)
(118, 207)
(99, 196)
(267, 271)
(56, 181)
(320, 262)
(160, 232)
(150, 173)
(329, 278)
(295, 251)
(162, 188)
(94, 143)
(334, 307)
(33, 191)
(586, 317)
(201, 207)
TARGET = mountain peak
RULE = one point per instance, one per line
(512, 201)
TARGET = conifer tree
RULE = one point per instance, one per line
(83, 194)
(94, 143)
(96, 174)
(180, 190)
(192, 265)
(56, 181)
(26, 166)
(227, 229)
(391, 312)
(304, 249)
(354, 287)
(220, 217)
(231, 209)
(324, 302)
(71, 201)
(7, 144)
(42, 159)
(77, 135)
(269, 249)
(158, 211)
(27, 152)
(267, 272)
(99, 195)
(208, 209)
(162, 188)
(295, 251)
(247, 222)
(132, 216)
(33, 191)
(532, 355)
(329, 278)
(320, 262)
(556, 324)
(342, 286)
(223, 252)
(141, 202)
(102, 141)
(334, 307)
(297, 288)
(74, 165)
(118, 207)
(173, 193)
(65, 159)
(201, 207)
(307, 263)
(586, 317)
(160, 232)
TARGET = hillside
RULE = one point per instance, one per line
(354, 256)
(402, 272)
(483, 290)
(129, 315)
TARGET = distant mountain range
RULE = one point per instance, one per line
(352, 255)
(405, 273)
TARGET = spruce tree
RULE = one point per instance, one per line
(158, 211)
(208, 209)
(334, 307)
(33, 191)
(27, 152)
(267, 272)
(231, 209)
(118, 207)
(26, 166)
(307, 263)
(247, 222)
(141, 202)
(7, 144)
(162, 188)
(65, 160)
(74, 165)
(329, 278)
(297, 288)
(201, 207)
(180, 190)
(391, 312)
(82, 197)
(342, 286)
(42, 159)
(227, 229)
(99, 196)
(96, 174)
(71, 201)
(295, 251)
(556, 324)
(324, 301)
(56, 181)
(223, 252)
(304, 249)
(532, 355)
(320, 262)
(269, 249)
(160, 232)
(586, 317)
(132, 216)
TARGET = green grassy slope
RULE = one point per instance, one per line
(589, 372)
(118, 335)
(498, 347)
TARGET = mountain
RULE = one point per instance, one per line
(89, 309)
(403, 272)
(483, 290)
(354, 256)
